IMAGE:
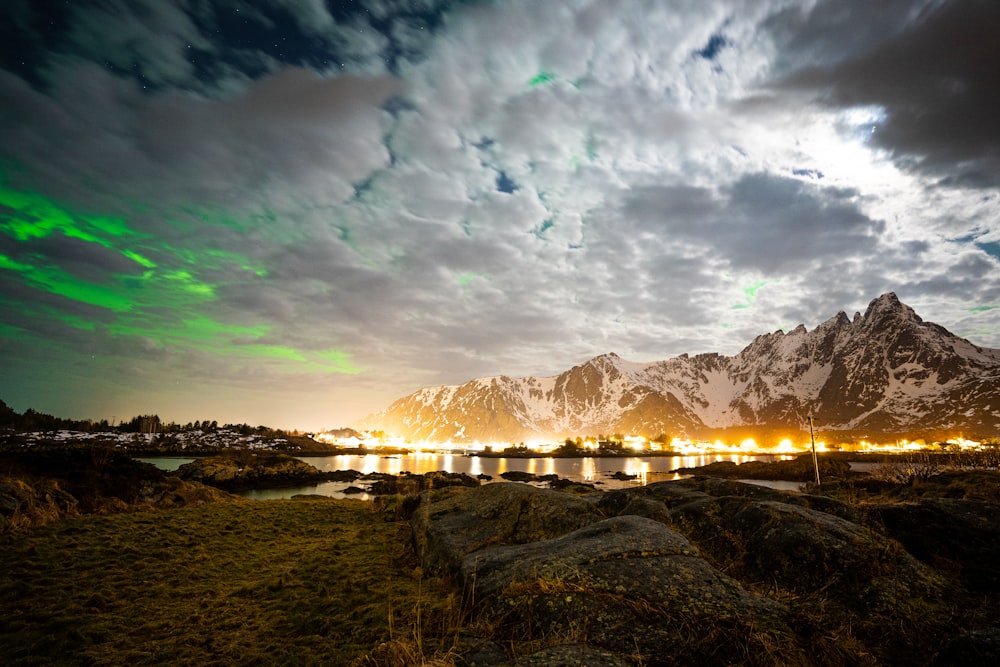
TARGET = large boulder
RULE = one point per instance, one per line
(500, 513)
(626, 584)
(861, 576)
(961, 537)
(805, 549)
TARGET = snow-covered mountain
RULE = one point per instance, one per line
(884, 371)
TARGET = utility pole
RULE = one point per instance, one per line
(815, 460)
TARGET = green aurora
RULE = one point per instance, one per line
(163, 299)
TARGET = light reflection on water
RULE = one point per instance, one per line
(327, 489)
(591, 470)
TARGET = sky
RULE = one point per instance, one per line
(293, 212)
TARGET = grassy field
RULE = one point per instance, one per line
(298, 582)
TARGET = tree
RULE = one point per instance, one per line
(568, 448)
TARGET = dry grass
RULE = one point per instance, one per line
(273, 582)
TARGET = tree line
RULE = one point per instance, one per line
(32, 420)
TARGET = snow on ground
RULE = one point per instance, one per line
(219, 438)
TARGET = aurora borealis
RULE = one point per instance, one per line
(292, 213)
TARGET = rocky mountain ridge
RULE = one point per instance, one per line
(884, 371)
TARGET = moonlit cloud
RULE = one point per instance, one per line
(295, 212)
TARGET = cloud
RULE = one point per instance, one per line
(762, 223)
(148, 39)
(288, 128)
(936, 82)
(483, 188)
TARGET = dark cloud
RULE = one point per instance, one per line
(828, 32)
(146, 39)
(292, 127)
(85, 261)
(936, 80)
(762, 222)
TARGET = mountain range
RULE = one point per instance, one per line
(886, 371)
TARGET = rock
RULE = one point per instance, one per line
(259, 471)
(798, 547)
(570, 485)
(518, 476)
(706, 571)
(571, 655)
(478, 652)
(39, 497)
(440, 479)
(958, 536)
(41, 487)
(175, 492)
(343, 475)
(857, 571)
(353, 490)
(727, 487)
(214, 470)
(625, 502)
(14, 495)
(409, 483)
(802, 548)
(626, 584)
(976, 648)
(799, 469)
(499, 513)
(623, 476)
(387, 485)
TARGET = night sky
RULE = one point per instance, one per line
(292, 212)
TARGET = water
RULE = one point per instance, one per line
(777, 484)
(167, 463)
(590, 470)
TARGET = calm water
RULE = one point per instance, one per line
(168, 463)
(596, 471)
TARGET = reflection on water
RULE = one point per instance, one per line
(328, 489)
(168, 463)
(780, 485)
(591, 470)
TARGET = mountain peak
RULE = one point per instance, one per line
(888, 306)
(884, 371)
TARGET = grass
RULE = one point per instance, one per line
(323, 582)
(225, 581)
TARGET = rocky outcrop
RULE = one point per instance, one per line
(409, 483)
(626, 584)
(956, 535)
(250, 472)
(501, 513)
(44, 486)
(700, 571)
(976, 647)
(799, 469)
